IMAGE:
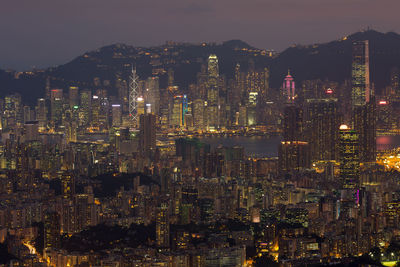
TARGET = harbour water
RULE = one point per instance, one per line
(259, 146)
(264, 146)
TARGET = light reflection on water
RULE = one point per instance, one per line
(262, 146)
(386, 142)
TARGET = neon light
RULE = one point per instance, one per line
(358, 197)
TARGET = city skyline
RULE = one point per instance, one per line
(58, 32)
(82, 176)
(200, 154)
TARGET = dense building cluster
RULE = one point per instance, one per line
(93, 179)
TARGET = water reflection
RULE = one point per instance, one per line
(268, 146)
(259, 146)
(387, 142)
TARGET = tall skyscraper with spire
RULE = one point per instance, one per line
(289, 88)
(363, 102)
(213, 76)
(213, 69)
(212, 93)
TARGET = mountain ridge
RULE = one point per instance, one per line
(330, 60)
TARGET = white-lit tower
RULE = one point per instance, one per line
(133, 94)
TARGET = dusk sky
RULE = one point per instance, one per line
(43, 33)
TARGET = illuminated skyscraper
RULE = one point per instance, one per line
(292, 123)
(242, 116)
(360, 93)
(73, 96)
(56, 108)
(41, 113)
(364, 119)
(253, 98)
(104, 112)
(68, 185)
(12, 110)
(363, 103)
(294, 152)
(256, 81)
(95, 111)
(51, 230)
(322, 125)
(176, 115)
(251, 115)
(170, 77)
(85, 107)
(82, 211)
(349, 157)
(212, 109)
(123, 96)
(185, 108)
(251, 109)
(71, 134)
(31, 131)
(28, 114)
(133, 98)
(248, 84)
(212, 95)
(213, 70)
(152, 94)
(198, 114)
(140, 106)
(116, 115)
(162, 225)
(293, 156)
(147, 143)
(384, 111)
(288, 89)
(206, 206)
(212, 117)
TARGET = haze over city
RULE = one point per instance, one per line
(46, 33)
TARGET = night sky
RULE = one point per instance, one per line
(48, 32)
